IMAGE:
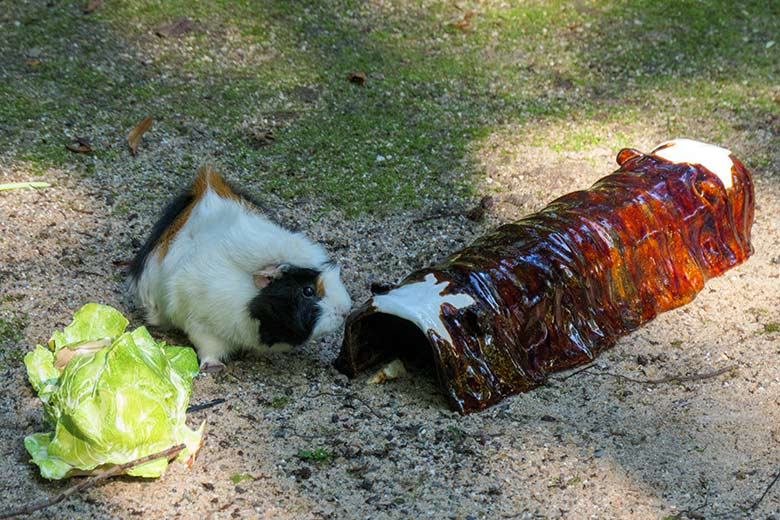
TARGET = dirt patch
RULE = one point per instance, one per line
(593, 445)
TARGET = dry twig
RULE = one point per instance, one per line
(349, 396)
(203, 406)
(675, 378)
(42, 504)
(576, 372)
(765, 493)
(660, 381)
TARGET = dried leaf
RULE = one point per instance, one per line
(22, 185)
(392, 370)
(463, 24)
(91, 6)
(32, 63)
(358, 78)
(64, 355)
(134, 138)
(81, 146)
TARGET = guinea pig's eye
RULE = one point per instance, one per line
(308, 291)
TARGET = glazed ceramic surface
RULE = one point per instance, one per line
(557, 287)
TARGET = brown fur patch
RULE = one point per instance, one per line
(320, 287)
(206, 178)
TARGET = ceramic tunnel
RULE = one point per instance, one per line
(554, 289)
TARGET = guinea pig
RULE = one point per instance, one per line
(218, 269)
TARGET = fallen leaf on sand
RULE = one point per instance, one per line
(134, 138)
(90, 7)
(392, 370)
(358, 78)
(463, 24)
(82, 145)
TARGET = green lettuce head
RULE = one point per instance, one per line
(110, 396)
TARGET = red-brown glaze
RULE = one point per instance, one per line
(559, 286)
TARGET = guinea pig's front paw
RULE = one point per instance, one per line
(211, 366)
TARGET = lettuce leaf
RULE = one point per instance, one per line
(110, 404)
(92, 322)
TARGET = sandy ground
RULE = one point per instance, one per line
(593, 445)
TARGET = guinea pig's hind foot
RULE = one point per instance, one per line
(211, 366)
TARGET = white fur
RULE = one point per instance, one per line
(204, 283)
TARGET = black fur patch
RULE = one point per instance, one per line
(286, 312)
(169, 214)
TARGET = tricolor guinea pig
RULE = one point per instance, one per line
(218, 269)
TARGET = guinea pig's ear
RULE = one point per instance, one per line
(263, 277)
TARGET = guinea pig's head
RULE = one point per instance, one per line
(295, 304)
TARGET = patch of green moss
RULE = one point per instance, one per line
(280, 402)
(568, 76)
(12, 333)
(771, 328)
(12, 328)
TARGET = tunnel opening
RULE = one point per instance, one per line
(381, 337)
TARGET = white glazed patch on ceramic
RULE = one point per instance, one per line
(714, 158)
(421, 304)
